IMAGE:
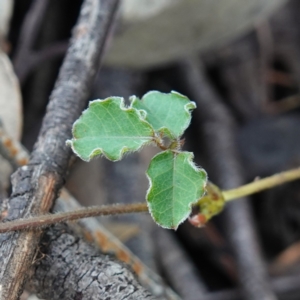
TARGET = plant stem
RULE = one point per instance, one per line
(159, 143)
(229, 195)
(92, 211)
(261, 184)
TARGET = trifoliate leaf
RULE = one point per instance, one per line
(107, 127)
(175, 184)
(167, 113)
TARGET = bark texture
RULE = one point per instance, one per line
(64, 273)
(36, 185)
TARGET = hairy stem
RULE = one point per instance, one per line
(261, 184)
(159, 143)
(92, 211)
(229, 195)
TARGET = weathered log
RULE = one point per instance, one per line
(64, 273)
(35, 186)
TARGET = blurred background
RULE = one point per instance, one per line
(239, 60)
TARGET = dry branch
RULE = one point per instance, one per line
(64, 273)
(218, 126)
(91, 230)
(178, 267)
(36, 185)
(31, 26)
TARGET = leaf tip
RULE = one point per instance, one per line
(190, 106)
(133, 98)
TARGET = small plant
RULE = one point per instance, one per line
(176, 184)
(111, 129)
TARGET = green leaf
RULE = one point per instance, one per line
(167, 113)
(108, 127)
(175, 184)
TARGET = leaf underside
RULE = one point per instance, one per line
(167, 113)
(175, 184)
(107, 127)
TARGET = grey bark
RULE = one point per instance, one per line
(178, 267)
(65, 273)
(35, 186)
(93, 232)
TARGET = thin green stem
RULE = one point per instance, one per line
(229, 195)
(261, 184)
(92, 211)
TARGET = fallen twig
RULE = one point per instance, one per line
(218, 126)
(91, 229)
(36, 187)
